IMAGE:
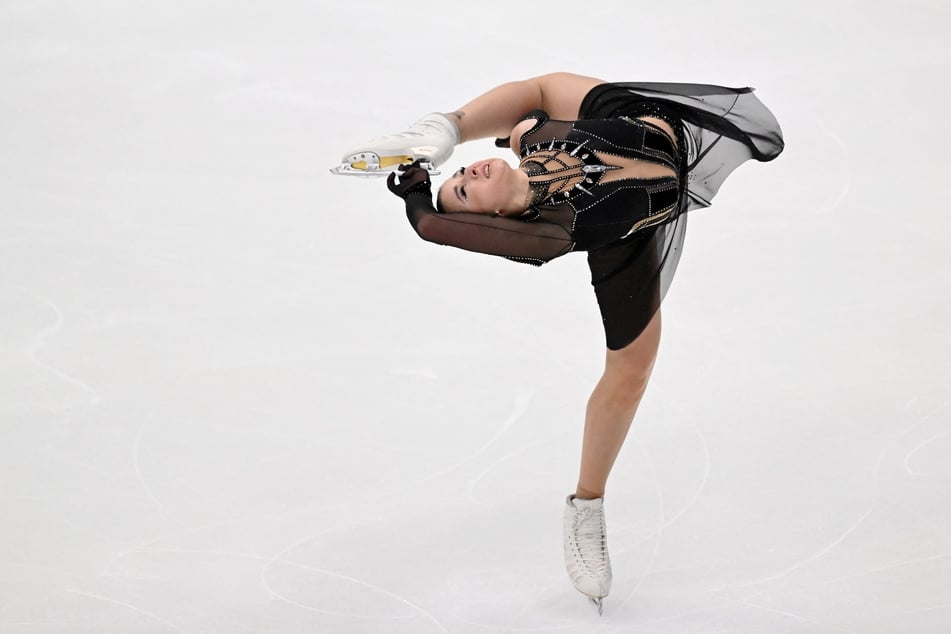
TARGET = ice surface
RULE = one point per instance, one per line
(238, 394)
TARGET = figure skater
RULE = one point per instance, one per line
(605, 168)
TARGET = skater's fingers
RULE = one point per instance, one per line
(421, 176)
(391, 183)
(412, 180)
(413, 173)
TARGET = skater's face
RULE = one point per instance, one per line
(485, 187)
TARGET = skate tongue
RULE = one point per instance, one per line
(587, 504)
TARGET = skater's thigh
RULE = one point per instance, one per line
(636, 359)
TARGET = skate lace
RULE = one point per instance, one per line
(591, 539)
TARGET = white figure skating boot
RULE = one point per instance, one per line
(430, 140)
(586, 548)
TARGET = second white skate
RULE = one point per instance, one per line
(430, 140)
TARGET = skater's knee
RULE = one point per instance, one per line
(621, 387)
(630, 365)
(632, 376)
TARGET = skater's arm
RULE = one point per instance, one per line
(491, 115)
(531, 242)
(494, 113)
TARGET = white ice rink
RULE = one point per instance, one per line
(239, 395)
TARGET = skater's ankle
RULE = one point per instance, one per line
(582, 493)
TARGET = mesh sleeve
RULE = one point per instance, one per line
(533, 242)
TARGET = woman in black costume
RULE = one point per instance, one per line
(606, 168)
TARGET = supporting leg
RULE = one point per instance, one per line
(612, 406)
(611, 409)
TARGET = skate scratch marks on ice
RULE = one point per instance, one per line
(797, 617)
(151, 615)
(703, 480)
(473, 482)
(136, 444)
(40, 341)
(827, 549)
(278, 558)
(919, 448)
(522, 400)
(665, 524)
(932, 608)
(143, 546)
(660, 527)
(846, 162)
(876, 476)
(814, 587)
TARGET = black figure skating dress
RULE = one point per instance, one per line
(631, 227)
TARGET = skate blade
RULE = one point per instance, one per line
(371, 166)
(598, 603)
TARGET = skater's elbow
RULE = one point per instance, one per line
(426, 227)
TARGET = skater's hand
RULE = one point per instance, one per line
(413, 180)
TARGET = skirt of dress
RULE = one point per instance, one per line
(719, 128)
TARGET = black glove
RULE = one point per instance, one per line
(413, 180)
